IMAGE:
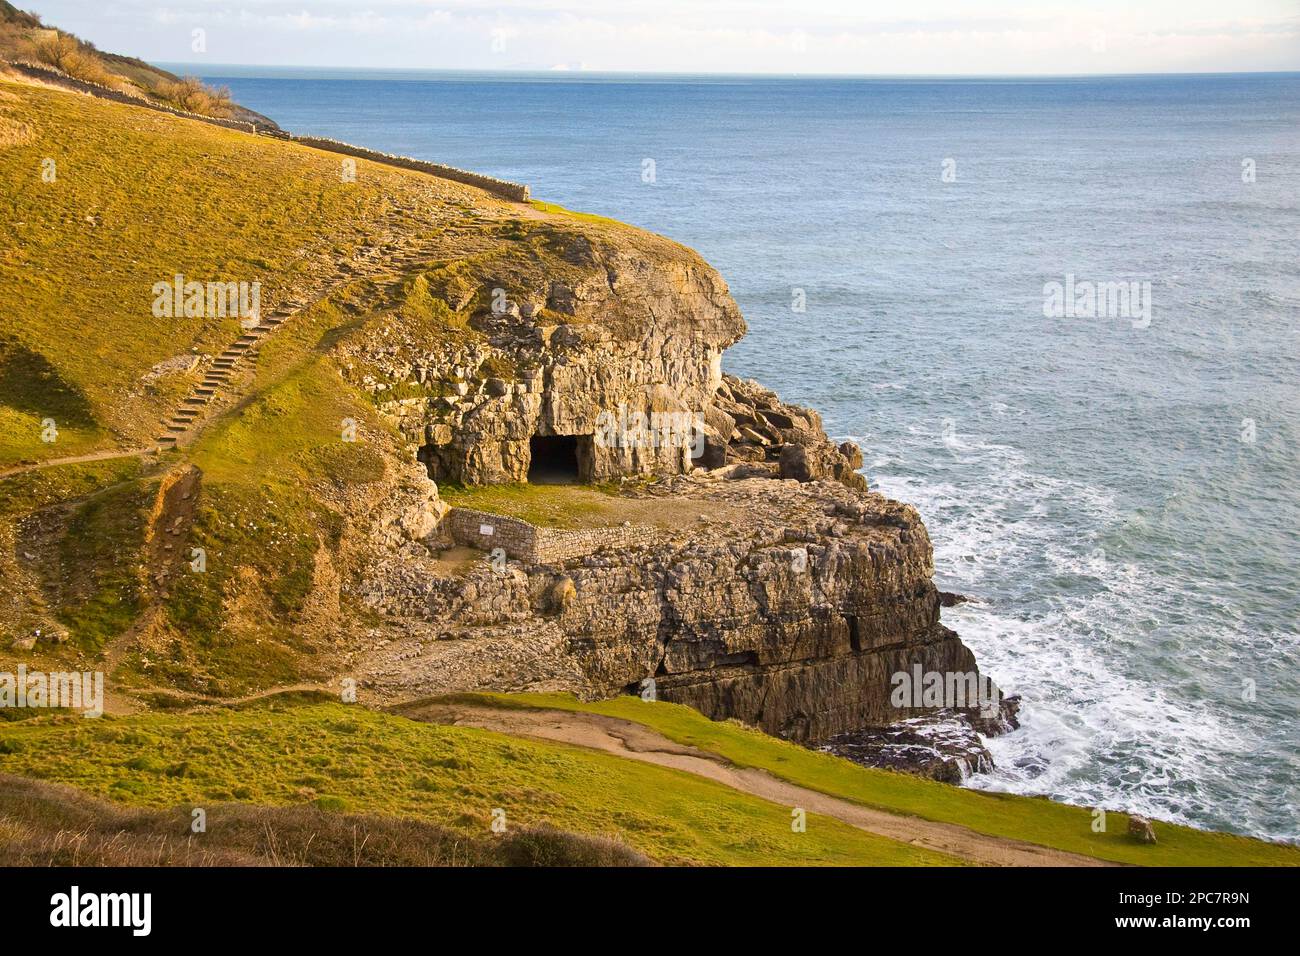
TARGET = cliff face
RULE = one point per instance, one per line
(787, 605)
(609, 344)
(814, 650)
(755, 578)
(564, 337)
(792, 618)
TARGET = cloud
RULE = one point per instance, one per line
(810, 36)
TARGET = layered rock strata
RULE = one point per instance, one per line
(787, 605)
(743, 568)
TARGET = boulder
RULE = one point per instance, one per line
(559, 595)
(1141, 829)
(820, 462)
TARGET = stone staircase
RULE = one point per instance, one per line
(386, 259)
(242, 351)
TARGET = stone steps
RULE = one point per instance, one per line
(218, 375)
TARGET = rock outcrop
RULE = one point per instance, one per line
(610, 351)
(945, 745)
(787, 605)
(602, 357)
(744, 568)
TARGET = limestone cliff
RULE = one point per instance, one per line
(609, 339)
(754, 577)
(564, 331)
(784, 604)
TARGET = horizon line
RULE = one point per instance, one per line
(552, 71)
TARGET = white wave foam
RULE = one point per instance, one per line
(1066, 625)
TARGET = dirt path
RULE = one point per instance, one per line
(638, 742)
(76, 460)
(165, 557)
(119, 704)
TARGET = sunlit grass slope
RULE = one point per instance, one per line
(100, 201)
(1032, 819)
(345, 758)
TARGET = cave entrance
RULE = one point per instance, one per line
(554, 461)
(428, 456)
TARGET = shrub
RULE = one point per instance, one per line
(546, 846)
(191, 94)
(69, 55)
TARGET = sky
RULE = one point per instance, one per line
(918, 37)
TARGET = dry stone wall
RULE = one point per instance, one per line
(516, 192)
(533, 545)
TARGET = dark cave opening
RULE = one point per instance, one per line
(554, 460)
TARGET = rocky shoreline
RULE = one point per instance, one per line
(946, 745)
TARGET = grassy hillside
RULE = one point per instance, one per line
(52, 579)
(43, 824)
(132, 198)
(347, 759)
(137, 198)
(1035, 820)
(297, 752)
(23, 37)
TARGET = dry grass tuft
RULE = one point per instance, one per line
(14, 132)
(43, 824)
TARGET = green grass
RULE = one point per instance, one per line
(262, 521)
(555, 209)
(1032, 819)
(37, 405)
(337, 756)
(137, 198)
(547, 506)
(31, 490)
(100, 563)
(94, 576)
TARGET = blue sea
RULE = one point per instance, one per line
(1119, 490)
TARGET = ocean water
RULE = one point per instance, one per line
(1120, 493)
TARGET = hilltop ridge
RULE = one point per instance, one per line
(25, 39)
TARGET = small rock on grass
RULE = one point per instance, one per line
(1140, 829)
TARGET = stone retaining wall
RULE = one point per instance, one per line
(533, 545)
(478, 529)
(516, 192)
